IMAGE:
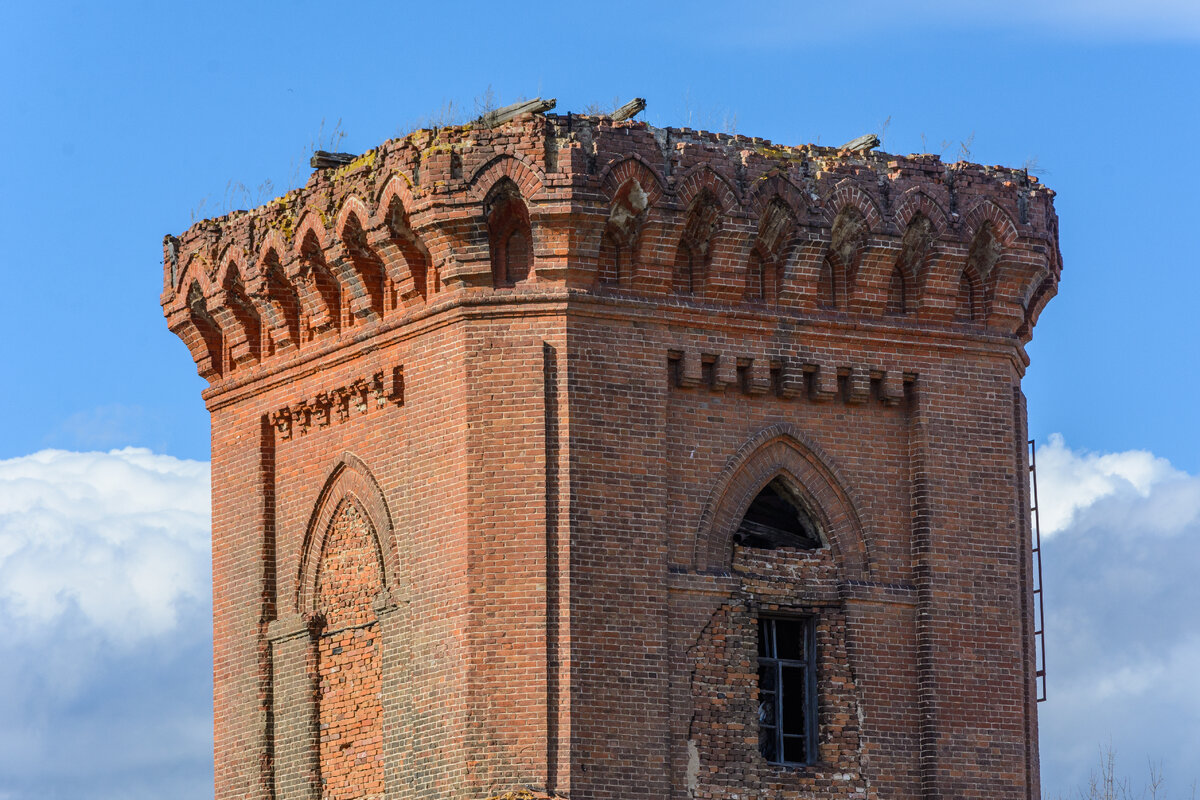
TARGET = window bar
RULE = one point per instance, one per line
(1039, 631)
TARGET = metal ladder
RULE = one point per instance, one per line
(1039, 630)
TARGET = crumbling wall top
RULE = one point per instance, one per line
(585, 205)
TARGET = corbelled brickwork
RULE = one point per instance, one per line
(489, 405)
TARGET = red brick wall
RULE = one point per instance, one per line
(511, 507)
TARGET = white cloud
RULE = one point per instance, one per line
(106, 657)
(1070, 482)
(123, 537)
(1122, 628)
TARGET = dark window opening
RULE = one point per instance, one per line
(787, 696)
(776, 519)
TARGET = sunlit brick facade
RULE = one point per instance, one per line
(490, 406)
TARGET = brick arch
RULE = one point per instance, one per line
(312, 223)
(616, 173)
(918, 201)
(397, 187)
(773, 245)
(847, 193)
(529, 179)
(232, 257)
(273, 239)
(780, 449)
(353, 205)
(276, 295)
(701, 177)
(349, 480)
(985, 212)
(775, 184)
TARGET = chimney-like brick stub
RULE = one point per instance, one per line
(551, 206)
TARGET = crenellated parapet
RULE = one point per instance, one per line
(576, 207)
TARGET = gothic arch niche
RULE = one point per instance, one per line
(764, 277)
(619, 241)
(916, 247)
(779, 461)
(510, 236)
(839, 272)
(349, 661)
(356, 657)
(693, 255)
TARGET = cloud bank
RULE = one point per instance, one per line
(104, 586)
(104, 583)
(1121, 542)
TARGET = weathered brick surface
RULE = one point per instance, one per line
(489, 404)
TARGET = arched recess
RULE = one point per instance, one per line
(359, 268)
(619, 241)
(916, 248)
(839, 272)
(407, 258)
(200, 333)
(510, 236)
(278, 299)
(694, 252)
(348, 480)
(780, 451)
(319, 292)
(344, 589)
(769, 256)
(241, 326)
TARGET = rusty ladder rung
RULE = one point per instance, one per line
(1039, 631)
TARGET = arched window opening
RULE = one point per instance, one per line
(777, 518)
(509, 235)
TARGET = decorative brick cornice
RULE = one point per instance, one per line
(619, 209)
(339, 404)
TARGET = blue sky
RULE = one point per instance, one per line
(125, 121)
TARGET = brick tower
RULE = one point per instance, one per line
(579, 458)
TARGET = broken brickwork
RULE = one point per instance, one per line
(489, 405)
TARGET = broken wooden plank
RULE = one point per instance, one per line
(863, 143)
(629, 110)
(323, 159)
(501, 115)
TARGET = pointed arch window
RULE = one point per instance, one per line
(778, 518)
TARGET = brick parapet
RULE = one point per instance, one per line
(385, 240)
